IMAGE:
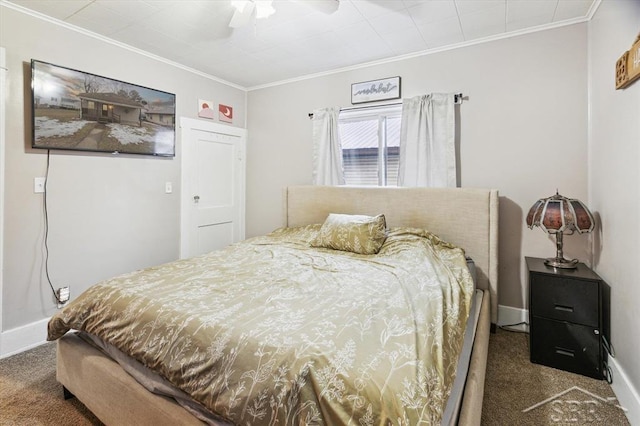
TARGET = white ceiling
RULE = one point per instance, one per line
(298, 40)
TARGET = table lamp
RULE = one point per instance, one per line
(556, 215)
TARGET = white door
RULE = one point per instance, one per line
(213, 186)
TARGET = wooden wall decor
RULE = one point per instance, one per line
(628, 66)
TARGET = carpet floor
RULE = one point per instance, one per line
(30, 395)
(518, 392)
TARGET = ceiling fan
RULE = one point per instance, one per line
(260, 9)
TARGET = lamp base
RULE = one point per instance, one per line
(561, 262)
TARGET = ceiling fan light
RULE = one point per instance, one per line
(242, 16)
(239, 5)
(264, 9)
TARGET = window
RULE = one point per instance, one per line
(370, 140)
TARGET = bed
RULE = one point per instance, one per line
(466, 218)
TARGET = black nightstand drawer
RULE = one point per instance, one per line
(567, 346)
(565, 299)
(566, 318)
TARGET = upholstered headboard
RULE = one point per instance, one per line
(467, 217)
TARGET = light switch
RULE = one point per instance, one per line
(168, 188)
(38, 184)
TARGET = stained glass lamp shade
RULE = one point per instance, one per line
(559, 215)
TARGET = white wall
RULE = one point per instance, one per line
(3, 72)
(522, 131)
(614, 186)
(107, 214)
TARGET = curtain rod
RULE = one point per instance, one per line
(457, 99)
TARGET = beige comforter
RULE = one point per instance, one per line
(273, 331)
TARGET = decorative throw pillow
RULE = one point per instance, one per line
(355, 233)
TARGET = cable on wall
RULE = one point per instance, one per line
(46, 230)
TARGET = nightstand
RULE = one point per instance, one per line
(566, 318)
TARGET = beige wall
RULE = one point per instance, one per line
(614, 179)
(107, 214)
(522, 131)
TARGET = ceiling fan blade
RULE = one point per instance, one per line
(241, 18)
(324, 6)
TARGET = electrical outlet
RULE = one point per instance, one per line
(38, 185)
(63, 294)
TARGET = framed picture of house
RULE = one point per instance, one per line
(76, 110)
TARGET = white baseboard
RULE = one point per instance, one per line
(627, 395)
(508, 315)
(23, 338)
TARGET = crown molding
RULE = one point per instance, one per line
(594, 7)
(461, 45)
(113, 42)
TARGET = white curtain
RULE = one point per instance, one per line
(327, 150)
(427, 141)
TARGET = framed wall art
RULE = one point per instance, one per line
(375, 90)
(205, 109)
(225, 113)
(628, 66)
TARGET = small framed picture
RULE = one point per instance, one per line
(375, 90)
(225, 113)
(205, 110)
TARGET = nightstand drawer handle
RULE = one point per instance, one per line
(565, 352)
(564, 308)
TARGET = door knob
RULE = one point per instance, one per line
(196, 198)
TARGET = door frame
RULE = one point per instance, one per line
(187, 126)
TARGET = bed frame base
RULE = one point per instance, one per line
(109, 392)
